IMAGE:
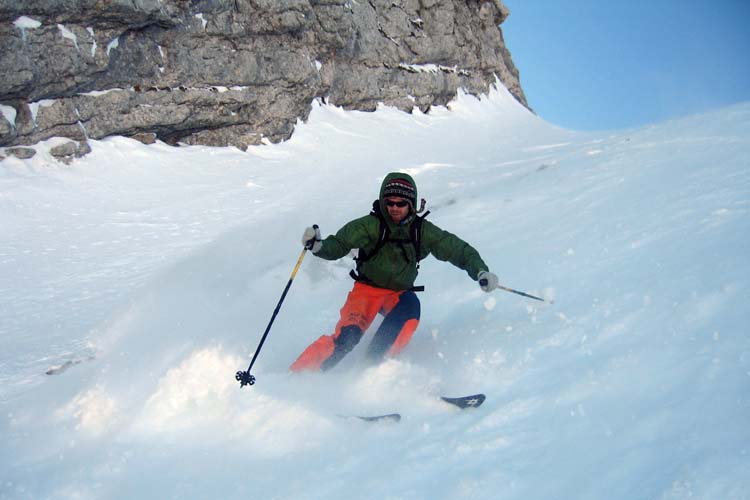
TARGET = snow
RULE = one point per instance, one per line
(432, 68)
(26, 23)
(93, 40)
(113, 45)
(34, 107)
(9, 113)
(221, 89)
(203, 20)
(97, 93)
(150, 273)
(69, 35)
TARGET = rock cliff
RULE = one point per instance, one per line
(234, 72)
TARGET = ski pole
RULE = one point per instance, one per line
(483, 282)
(244, 378)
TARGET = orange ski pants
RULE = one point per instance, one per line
(401, 310)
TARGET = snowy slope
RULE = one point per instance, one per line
(144, 275)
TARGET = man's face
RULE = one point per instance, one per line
(398, 208)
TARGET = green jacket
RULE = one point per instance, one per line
(394, 266)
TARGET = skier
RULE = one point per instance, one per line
(391, 240)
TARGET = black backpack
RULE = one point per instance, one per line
(384, 236)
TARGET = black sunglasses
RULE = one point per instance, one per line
(399, 204)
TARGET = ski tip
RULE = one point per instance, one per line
(391, 417)
(60, 368)
(472, 401)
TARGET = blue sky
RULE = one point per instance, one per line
(597, 64)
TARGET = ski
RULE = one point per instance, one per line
(463, 402)
(390, 417)
(393, 417)
(473, 401)
(58, 369)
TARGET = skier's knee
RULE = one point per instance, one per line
(408, 306)
(348, 338)
(343, 343)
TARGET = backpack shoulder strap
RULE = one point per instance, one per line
(415, 238)
(383, 235)
(416, 235)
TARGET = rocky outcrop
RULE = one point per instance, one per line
(234, 72)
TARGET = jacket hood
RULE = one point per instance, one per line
(398, 175)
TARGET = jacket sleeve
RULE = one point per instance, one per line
(448, 247)
(355, 234)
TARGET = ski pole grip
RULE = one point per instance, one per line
(311, 241)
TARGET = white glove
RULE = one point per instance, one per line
(311, 239)
(488, 281)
